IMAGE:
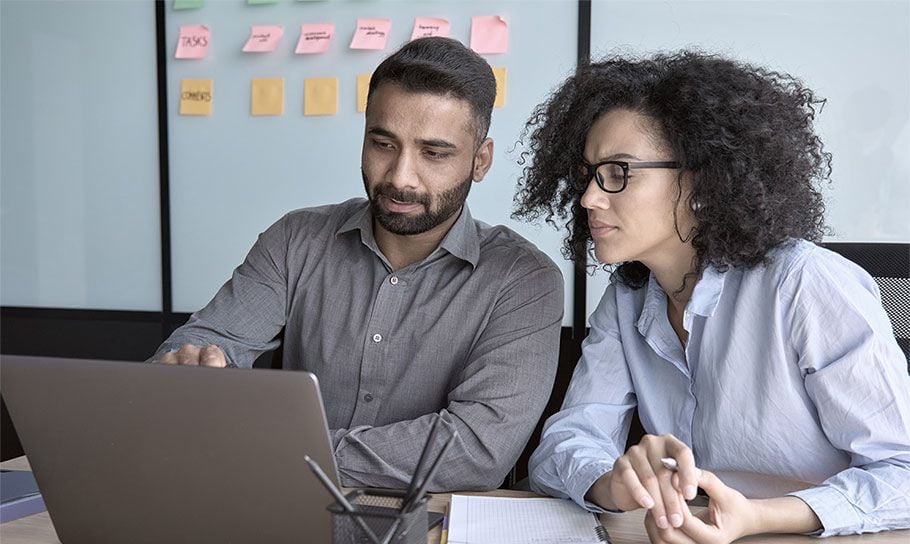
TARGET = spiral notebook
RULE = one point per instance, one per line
(502, 520)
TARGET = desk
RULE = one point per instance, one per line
(624, 528)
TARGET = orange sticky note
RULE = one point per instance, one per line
(193, 42)
(500, 74)
(489, 34)
(320, 96)
(263, 38)
(371, 34)
(267, 96)
(363, 90)
(425, 27)
(314, 37)
(196, 96)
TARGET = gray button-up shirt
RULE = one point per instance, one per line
(471, 332)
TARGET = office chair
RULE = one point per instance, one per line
(889, 265)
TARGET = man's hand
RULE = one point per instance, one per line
(639, 480)
(188, 354)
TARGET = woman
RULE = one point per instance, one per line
(761, 363)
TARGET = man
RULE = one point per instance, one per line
(402, 304)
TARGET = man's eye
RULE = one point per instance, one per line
(382, 145)
(436, 154)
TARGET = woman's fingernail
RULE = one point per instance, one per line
(690, 492)
(647, 501)
(662, 522)
(676, 520)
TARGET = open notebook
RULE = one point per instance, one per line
(501, 520)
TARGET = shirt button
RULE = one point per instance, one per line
(393, 280)
(368, 397)
(377, 338)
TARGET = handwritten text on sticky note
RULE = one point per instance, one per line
(314, 37)
(425, 27)
(489, 34)
(193, 42)
(264, 38)
(196, 97)
(371, 34)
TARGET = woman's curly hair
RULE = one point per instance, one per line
(743, 132)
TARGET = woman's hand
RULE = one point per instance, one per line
(731, 516)
(639, 480)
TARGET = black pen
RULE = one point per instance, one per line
(339, 496)
(421, 491)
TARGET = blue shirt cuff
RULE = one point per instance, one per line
(837, 515)
(581, 481)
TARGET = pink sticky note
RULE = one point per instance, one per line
(264, 38)
(193, 42)
(425, 27)
(489, 34)
(371, 34)
(315, 37)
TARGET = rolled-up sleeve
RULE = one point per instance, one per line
(857, 379)
(581, 442)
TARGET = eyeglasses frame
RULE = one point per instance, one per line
(591, 171)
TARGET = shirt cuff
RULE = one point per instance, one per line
(581, 481)
(837, 515)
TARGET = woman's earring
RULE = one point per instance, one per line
(695, 205)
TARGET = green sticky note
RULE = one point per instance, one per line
(255, 2)
(188, 4)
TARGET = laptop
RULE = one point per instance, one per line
(134, 452)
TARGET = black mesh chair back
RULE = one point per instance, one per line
(889, 265)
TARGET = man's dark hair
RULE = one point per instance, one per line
(441, 66)
(745, 133)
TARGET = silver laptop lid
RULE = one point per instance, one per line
(133, 452)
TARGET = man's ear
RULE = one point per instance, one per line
(483, 159)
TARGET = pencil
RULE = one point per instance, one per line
(444, 536)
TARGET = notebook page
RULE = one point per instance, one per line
(501, 520)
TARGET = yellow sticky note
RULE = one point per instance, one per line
(267, 96)
(320, 96)
(363, 90)
(196, 96)
(500, 75)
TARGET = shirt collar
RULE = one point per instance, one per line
(704, 299)
(462, 240)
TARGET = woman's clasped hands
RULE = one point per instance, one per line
(640, 479)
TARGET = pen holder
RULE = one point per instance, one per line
(381, 512)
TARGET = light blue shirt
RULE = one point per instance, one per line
(791, 383)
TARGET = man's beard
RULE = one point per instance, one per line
(446, 205)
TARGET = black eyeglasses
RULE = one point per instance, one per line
(613, 176)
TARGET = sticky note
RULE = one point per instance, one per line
(314, 37)
(320, 96)
(196, 96)
(489, 34)
(193, 42)
(371, 34)
(188, 4)
(263, 38)
(363, 90)
(267, 96)
(425, 27)
(500, 74)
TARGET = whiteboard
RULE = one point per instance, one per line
(856, 54)
(232, 174)
(79, 169)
